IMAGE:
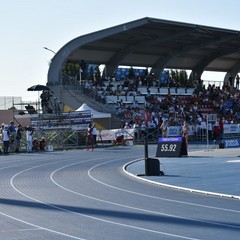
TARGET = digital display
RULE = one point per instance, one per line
(169, 147)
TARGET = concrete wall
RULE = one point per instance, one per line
(9, 115)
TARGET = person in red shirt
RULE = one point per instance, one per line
(221, 127)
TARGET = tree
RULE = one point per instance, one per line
(97, 74)
(180, 77)
(131, 74)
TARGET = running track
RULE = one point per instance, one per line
(87, 195)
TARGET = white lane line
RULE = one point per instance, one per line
(19, 230)
(178, 187)
(39, 227)
(31, 224)
(233, 161)
(80, 214)
(149, 196)
(99, 219)
(134, 208)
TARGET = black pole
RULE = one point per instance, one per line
(146, 153)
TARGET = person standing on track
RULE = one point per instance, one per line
(89, 137)
(29, 133)
(5, 139)
(94, 133)
(18, 137)
(185, 132)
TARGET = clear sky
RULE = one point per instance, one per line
(29, 25)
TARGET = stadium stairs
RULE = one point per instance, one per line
(74, 97)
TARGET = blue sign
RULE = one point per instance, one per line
(164, 78)
(122, 73)
(170, 139)
(231, 143)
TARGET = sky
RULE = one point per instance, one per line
(27, 26)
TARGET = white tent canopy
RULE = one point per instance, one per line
(95, 114)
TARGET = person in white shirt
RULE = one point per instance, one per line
(94, 133)
(143, 129)
(151, 124)
(136, 130)
(6, 139)
(29, 133)
(151, 128)
(135, 105)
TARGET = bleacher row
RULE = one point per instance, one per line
(166, 90)
(125, 99)
(143, 91)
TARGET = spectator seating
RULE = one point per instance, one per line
(110, 99)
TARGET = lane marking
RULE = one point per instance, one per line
(149, 230)
(41, 228)
(140, 209)
(144, 195)
(176, 187)
(27, 196)
(80, 214)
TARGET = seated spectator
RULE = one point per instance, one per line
(151, 128)
(143, 129)
(35, 145)
(148, 96)
(151, 124)
(135, 105)
(42, 144)
(102, 97)
(126, 126)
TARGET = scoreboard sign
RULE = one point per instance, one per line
(169, 147)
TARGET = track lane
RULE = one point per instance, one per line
(92, 190)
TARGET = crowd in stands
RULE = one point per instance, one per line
(222, 102)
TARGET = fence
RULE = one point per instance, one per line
(9, 102)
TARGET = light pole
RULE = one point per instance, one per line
(49, 50)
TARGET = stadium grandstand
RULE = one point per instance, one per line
(148, 71)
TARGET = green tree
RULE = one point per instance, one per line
(97, 74)
(131, 74)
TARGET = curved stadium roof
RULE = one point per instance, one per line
(155, 43)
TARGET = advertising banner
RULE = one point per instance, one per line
(74, 120)
(109, 135)
(231, 143)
